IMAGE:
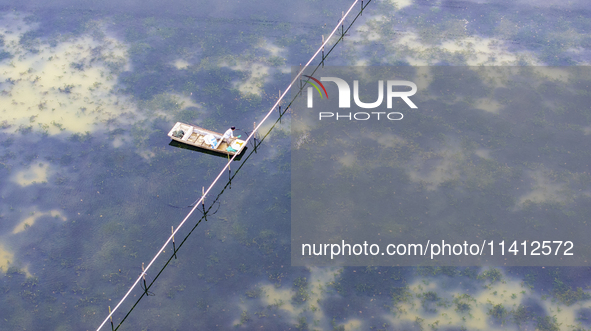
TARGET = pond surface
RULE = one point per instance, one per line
(90, 187)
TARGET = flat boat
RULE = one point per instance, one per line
(193, 135)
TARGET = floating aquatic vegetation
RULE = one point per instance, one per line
(491, 275)
(35, 174)
(498, 313)
(546, 189)
(566, 295)
(181, 64)
(300, 286)
(58, 80)
(6, 258)
(463, 303)
(30, 221)
(255, 293)
(252, 86)
(322, 309)
(67, 89)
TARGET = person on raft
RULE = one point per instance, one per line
(228, 136)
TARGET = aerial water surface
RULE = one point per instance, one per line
(90, 187)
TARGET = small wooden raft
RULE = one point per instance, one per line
(199, 137)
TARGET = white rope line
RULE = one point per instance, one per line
(228, 164)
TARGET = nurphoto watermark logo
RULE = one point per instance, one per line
(344, 98)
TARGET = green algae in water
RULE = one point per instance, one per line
(124, 208)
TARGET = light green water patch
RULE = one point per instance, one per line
(171, 106)
(274, 139)
(434, 168)
(493, 77)
(165, 107)
(483, 153)
(35, 215)
(400, 4)
(301, 127)
(35, 174)
(280, 130)
(546, 188)
(6, 258)
(566, 316)
(366, 32)
(180, 64)
(451, 163)
(280, 298)
(555, 74)
(65, 87)
(353, 324)
(302, 300)
(415, 52)
(432, 305)
(347, 159)
(423, 78)
(7, 261)
(255, 71)
(450, 44)
(257, 75)
(119, 141)
(13, 25)
(480, 51)
(388, 140)
(319, 280)
(495, 303)
(488, 105)
(273, 49)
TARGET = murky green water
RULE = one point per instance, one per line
(90, 186)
